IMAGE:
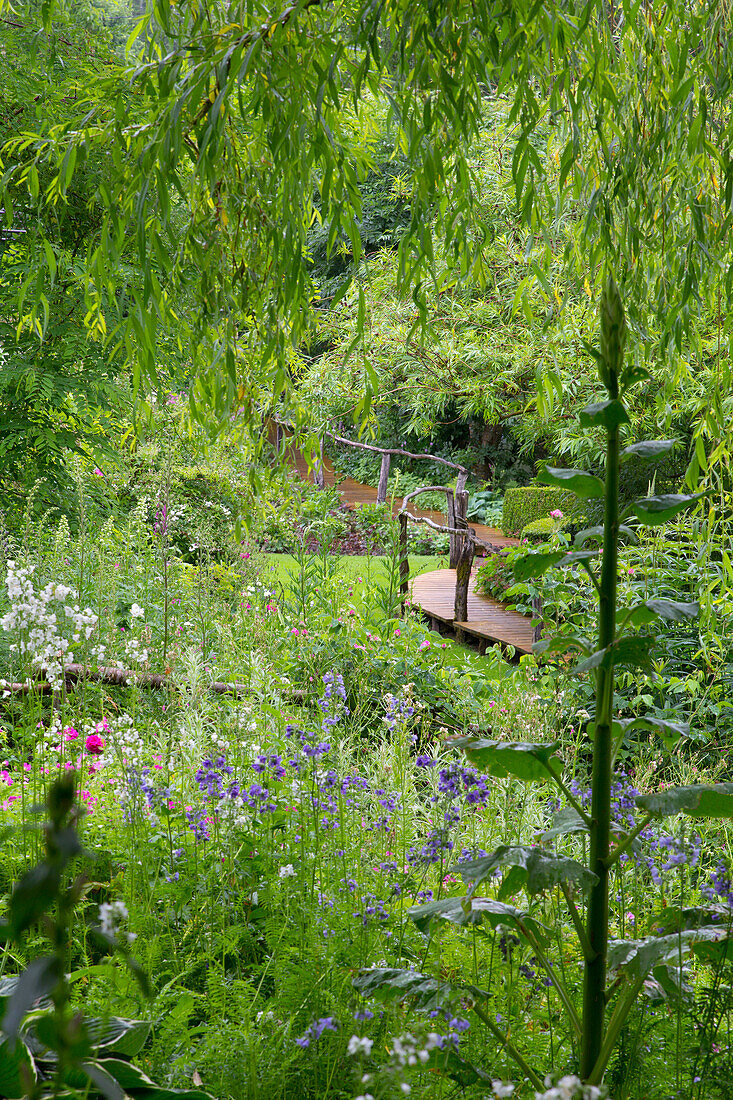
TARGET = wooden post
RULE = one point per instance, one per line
(318, 474)
(457, 511)
(404, 563)
(465, 550)
(453, 539)
(537, 614)
(383, 479)
(461, 507)
(463, 577)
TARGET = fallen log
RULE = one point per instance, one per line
(125, 676)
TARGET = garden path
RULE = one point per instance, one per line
(434, 593)
(355, 493)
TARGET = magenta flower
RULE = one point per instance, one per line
(70, 734)
(556, 513)
(94, 744)
(98, 472)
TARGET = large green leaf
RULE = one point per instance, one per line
(32, 896)
(104, 1083)
(675, 918)
(716, 952)
(390, 984)
(137, 1084)
(566, 822)
(653, 511)
(584, 485)
(669, 731)
(117, 1036)
(15, 1061)
(534, 565)
(630, 651)
(604, 414)
(474, 911)
(637, 957)
(596, 532)
(561, 643)
(648, 448)
(670, 610)
(522, 759)
(450, 1063)
(699, 800)
(532, 869)
(34, 983)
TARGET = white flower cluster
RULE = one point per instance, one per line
(360, 1046)
(111, 916)
(134, 651)
(43, 638)
(407, 1051)
(126, 740)
(570, 1087)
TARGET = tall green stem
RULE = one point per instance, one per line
(594, 984)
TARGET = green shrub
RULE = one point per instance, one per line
(539, 530)
(527, 503)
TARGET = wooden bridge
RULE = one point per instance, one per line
(488, 620)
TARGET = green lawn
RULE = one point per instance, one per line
(370, 568)
(361, 572)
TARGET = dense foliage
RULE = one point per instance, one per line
(266, 833)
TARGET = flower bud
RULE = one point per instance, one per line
(613, 335)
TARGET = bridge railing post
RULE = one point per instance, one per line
(383, 478)
(465, 550)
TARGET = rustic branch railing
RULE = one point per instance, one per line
(385, 452)
(463, 539)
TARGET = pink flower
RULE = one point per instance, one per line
(70, 734)
(556, 514)
(423, 646)
(397, 633)
(94, 744)
(98, 472)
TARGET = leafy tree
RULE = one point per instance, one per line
(239, 126)
(54, 382)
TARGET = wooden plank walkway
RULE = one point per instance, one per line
(488, 620)
(434, 593)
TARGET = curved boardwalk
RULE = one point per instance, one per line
(434, 593)
(488, 620)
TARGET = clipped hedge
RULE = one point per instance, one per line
(528, 503)
(539, 530)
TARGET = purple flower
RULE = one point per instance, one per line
(316, 1029)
